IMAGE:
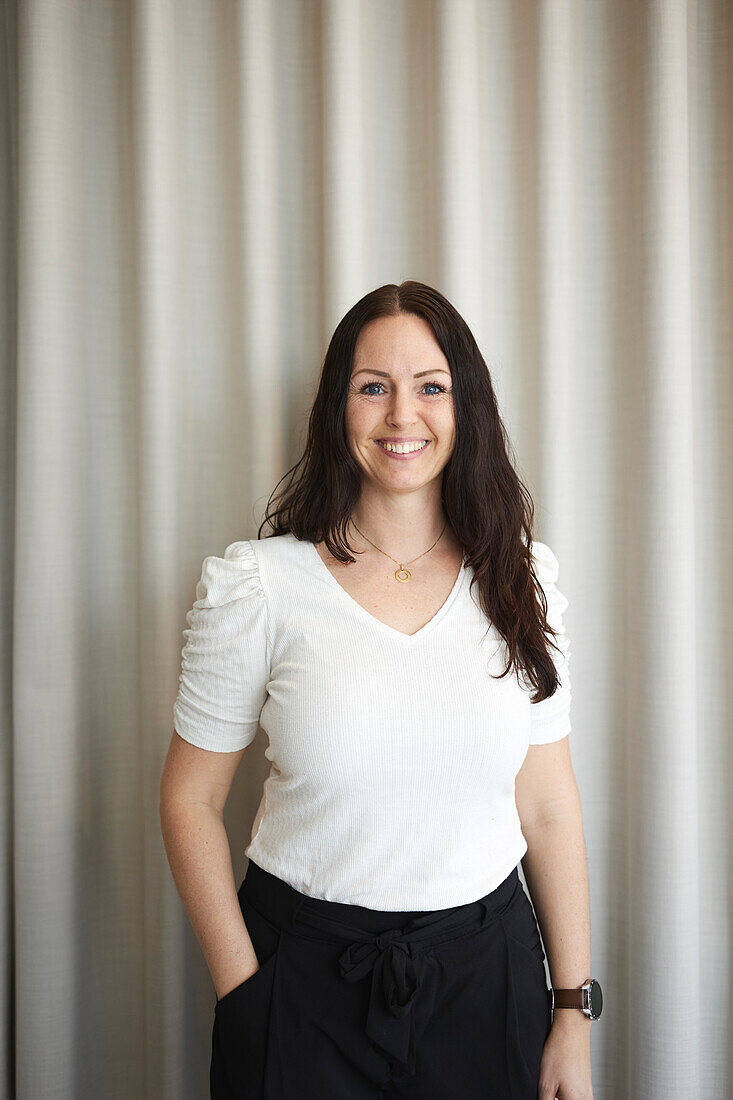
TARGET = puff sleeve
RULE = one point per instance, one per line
(550, 719)
(225, 660)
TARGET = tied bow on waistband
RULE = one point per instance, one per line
(401, 964)
(397, 971)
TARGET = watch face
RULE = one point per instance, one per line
(595, 997)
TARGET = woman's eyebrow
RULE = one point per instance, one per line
(385, 374)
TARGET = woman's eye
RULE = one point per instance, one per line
(434, 385)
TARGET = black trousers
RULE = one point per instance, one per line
(352, 1003)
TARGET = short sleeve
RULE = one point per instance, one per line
(225, 661)
(550, 718)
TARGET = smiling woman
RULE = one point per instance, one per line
(397, 949)
(406, 415)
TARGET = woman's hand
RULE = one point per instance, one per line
(565, 1066)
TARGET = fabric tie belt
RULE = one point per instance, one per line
(397, 971)
(398, 965)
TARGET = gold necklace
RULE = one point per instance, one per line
(403, 574)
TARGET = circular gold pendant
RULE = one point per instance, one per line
(403, 574)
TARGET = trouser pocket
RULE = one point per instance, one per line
(241, 1018)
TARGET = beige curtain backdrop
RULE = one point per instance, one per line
(192, 195)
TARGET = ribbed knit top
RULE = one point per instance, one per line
(392, 756)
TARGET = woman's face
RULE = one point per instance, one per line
(400, 389)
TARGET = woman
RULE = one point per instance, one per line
(392, 637)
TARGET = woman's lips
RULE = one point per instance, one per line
(403, 457)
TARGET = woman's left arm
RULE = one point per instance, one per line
(556, 871)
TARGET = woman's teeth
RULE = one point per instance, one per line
(403, 448)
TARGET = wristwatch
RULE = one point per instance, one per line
(588, 998)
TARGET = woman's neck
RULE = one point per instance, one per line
(399, 534)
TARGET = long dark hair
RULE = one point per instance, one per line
(486, 504)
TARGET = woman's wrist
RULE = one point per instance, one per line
(229, 987)
(571, 1020)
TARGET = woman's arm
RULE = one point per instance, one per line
(556, 871)
(555, 866)
(193, 791)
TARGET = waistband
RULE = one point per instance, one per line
(292, 911)
(390, 944)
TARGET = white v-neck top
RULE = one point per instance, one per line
(392, 755)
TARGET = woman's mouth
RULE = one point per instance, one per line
(403, 451)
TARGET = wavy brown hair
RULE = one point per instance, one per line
(486, 504)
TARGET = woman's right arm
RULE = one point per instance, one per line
(194, 788)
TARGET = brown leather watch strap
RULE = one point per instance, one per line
(569, 998)
(588, 998)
